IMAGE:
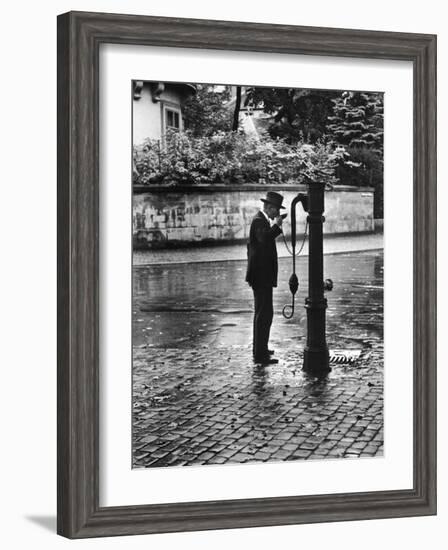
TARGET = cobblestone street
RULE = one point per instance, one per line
(199, 399)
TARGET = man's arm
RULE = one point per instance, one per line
(265, 234)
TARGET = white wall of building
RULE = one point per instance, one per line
(148, 115)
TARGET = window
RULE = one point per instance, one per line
(172, 119)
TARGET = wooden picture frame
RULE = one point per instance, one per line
(79, 38)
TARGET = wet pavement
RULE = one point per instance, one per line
(199, 399)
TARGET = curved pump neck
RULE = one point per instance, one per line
(303, 198)
(288, 310)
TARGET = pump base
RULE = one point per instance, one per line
(316, 362)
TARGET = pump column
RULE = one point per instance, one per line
(316, 355)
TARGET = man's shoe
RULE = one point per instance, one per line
(265, 360)
(269, 361)
(269, 352)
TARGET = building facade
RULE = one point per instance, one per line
(157, 107)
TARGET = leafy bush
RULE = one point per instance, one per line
(181, 158)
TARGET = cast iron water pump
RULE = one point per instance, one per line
(316, 355)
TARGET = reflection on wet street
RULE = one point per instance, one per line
(187, 305)
(199, 399)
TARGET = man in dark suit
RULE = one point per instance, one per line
(262, 270)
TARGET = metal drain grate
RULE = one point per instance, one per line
(344, 356)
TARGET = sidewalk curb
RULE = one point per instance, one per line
(214, 260)
(237, 252)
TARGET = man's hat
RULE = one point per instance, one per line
(274, 198)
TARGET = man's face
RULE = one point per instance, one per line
(272, 211)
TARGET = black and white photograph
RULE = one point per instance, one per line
(258, 269)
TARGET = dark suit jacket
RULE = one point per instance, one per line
(262, 263)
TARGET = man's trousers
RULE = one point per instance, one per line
(263, 315)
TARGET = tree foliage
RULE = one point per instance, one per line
(357, 120)
(205, 113)
(298, 114)
(357, 124)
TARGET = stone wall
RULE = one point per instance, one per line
(167, 216)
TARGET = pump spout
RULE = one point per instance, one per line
(303, 198)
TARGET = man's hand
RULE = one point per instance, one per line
(278, 221)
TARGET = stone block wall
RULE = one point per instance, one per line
(164, 216)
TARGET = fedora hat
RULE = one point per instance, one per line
(274, 198)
